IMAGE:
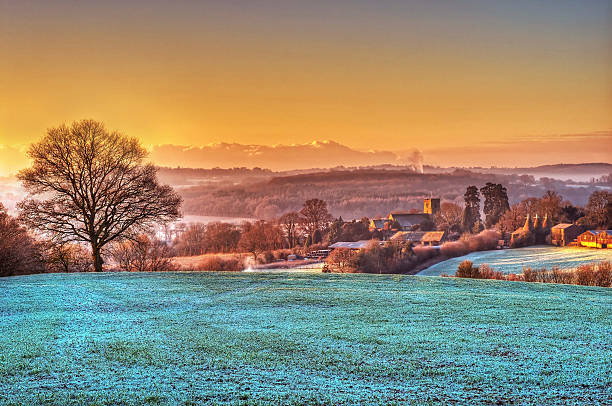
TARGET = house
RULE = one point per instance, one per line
(433, 238)
(420, 237)
(414, 236)
(408, 220)
(564, 233)
(596, 239)
(380, 224)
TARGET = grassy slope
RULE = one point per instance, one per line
(513, 260)
(181, 338)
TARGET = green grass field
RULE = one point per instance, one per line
(248, 338)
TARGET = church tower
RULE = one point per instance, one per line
(431, 206)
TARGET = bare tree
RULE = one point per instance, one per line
(143, 254)
(289, 223)
(449, 217)
(598, 208)
(315, 214)
(93, 187)
(66, 257)
(259, 237)
(191, 241)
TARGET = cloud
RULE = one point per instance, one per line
(318, 154)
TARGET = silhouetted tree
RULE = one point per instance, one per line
(93, 187)
(551, 205)
(317, 237)
(448, 218)
(315, 215)
(289, 223)
(597, 209)
(571, 213)
(471, 211)
(259, 237)
(335, 230)
(495, 204)
(512, 219)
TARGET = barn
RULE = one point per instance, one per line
(564, 234)
(596, 239)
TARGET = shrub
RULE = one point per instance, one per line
(143, 254)
(594, 274)
(603, 276)
(342, 260)
(484, 271)
(485, 240)
(465, 269)
(423, 253)
(282, 254)
(523, 239)
(217, 263)
(454, 249)
(266, 258)
(585, 275)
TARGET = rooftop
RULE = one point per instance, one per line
(354, 245)
(433, 236)
(562, 225)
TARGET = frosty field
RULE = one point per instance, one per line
(513, 260)
(243, 338)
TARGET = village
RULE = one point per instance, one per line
(409, 226)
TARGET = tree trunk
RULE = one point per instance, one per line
(97, 259)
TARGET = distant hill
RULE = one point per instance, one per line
(577, 172)
(355, 193)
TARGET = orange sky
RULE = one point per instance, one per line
(392, 76)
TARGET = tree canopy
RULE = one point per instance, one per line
(91, 185)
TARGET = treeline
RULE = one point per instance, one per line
(358, 193)
(593, 274)
(22, 252)
(492, 200)
(297, 231)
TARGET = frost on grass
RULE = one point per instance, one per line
(182, 338)
(513, 260)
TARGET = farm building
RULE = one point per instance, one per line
(352, 245)
(414, 236)
(534, 230)
(596, 239)
(420, 237)
(433, 238)
(564, 233)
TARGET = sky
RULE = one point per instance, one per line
(458, 80)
